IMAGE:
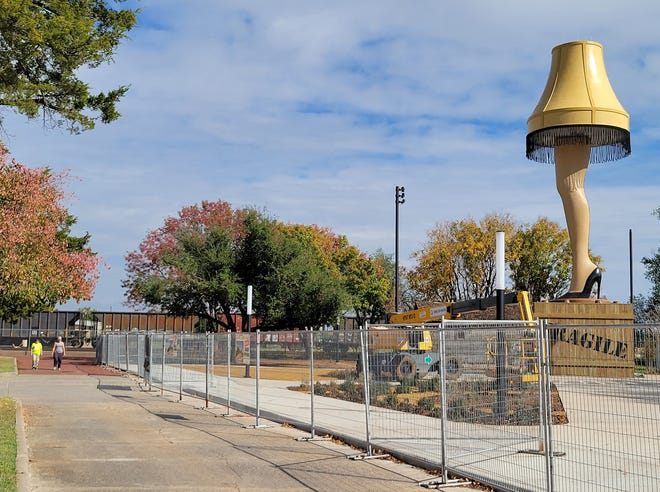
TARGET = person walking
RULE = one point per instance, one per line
(58, 353)
(36, 348)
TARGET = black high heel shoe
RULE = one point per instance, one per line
(595, 277)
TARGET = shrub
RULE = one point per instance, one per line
(347, 386)
(432, 384)
(405, 387)
(426, 404)
(391, 401)
(319, 389)
(379, 388)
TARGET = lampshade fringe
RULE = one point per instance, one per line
(607, 143)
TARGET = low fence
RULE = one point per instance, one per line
(509, 404)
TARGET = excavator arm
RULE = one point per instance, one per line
(453, 310)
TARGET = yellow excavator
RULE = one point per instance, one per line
(407, 354)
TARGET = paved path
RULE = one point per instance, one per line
(603, 445)
(90, 428)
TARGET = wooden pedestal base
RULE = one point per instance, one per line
(581, 345)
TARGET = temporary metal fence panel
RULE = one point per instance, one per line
(195, 356)
(502, 388)
(606, 386)
(491, 392)
(119, 350)
(170, 354)
(493, 403)
(156, 358)
(222, 368)
(111, 350)
(334, 372)
(134, 342)
(102, 351)
(284, 356)
(401, 404)
(244, 371)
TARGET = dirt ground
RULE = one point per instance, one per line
(323, 371)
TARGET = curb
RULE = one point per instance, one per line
(22, 469)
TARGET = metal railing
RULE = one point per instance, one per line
(520, 406)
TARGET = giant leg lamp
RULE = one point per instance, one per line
(578, 121)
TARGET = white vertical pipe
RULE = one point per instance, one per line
(499, 260)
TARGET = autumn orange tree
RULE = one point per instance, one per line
(540, 259)
(458, 261)
(41, 264)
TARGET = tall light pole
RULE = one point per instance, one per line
(399, 198)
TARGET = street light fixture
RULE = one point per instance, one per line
(399, 198)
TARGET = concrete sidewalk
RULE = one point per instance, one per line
(105, 432)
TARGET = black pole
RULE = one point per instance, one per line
(249, 328)
(500, 359)
(499, 310)
(399, 198)
(631, 263)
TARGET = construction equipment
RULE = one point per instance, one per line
(405, 354)
(82, 331)
(453, 310)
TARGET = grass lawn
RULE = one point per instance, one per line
(7, 434)
(7, 444)
(6, 364)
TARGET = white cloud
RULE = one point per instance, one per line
(316, 111)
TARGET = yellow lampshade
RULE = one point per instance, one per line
(578, 106)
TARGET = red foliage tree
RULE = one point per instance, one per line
(39, 265)
(152, 269)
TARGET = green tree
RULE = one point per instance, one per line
(74, 243)
(187, 266)
(201, 262)
(302, 290)
(540, 259)
(366, 280)
(206, 283)
(647, 309)
(44, 44)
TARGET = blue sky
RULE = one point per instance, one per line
(317, 110)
